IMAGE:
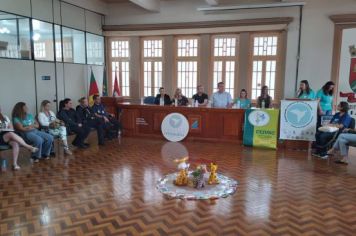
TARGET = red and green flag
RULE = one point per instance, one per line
(93, 88)
(116, 92)
(105, 84)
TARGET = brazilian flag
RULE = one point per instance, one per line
(261, 128)
(105, 84)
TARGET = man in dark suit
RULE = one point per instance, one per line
(162, 98)
(87, 116)
(73, 123)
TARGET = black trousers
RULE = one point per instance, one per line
(81, 134)
(97, 124)
(322, 138)
(112, 127)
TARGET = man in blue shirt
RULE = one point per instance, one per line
(222, 99)
(111, 125)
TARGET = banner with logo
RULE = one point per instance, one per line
(298, 120)
(261, 128)
(175, 127)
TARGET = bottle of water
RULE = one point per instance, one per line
(142, 101)
(209, 104)
(238, 104)
(3, 165)
(263, 104)
(196, 104)
(176, 102)
(161, 102)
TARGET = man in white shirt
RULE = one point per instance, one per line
(222, 99)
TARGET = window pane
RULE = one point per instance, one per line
(58, 42)
(120, 48)
(225, 46)
(42, 40)
(187, 47)
(73, 45)
(187, 77)
(14, 43)
(265, 46)
(95, 49)
(152, 48)
(256, 78)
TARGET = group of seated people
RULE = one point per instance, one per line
(25, 129)
(220, 99)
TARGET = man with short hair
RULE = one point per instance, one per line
(111, 125)
(88, 117)
(200, 96)
(222, 99)
(162, 97)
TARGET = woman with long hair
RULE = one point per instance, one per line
(50, 124)
(26, 125)
(9, 137)
(305, 92)
(245, 103)
(325, 97)
(181, 99)
(264, 100)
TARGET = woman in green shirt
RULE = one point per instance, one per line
(325, 97)
(245, 103)
(305, 92)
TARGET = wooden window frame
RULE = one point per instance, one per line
(212, 59)
(151, 59)
(279, 82)
(176, 59)
(114, 59)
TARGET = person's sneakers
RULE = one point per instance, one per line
(324, 156)
(35, 159)
(81, 146)
(67, 152)
(34, 149)
(86, 144)
(47, 157)
(316, 154)
(16, 167)
(341, 162)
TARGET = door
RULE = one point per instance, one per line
(46, 84)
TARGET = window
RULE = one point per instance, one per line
(95, 49)
(73, 45)
(42, 40)
(152, 66)
(224, 62)
(120, 65)
(58, 42)
(187, 65)
(264, 63)
(14, 36)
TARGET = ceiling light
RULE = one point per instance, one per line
(36, 36)
(4, 30)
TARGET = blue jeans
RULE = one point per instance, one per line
(41, 140)
(342, 143)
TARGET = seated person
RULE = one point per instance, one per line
(340, 120)
(245, 103)
(73, 123)
(50, 124)
(222, 99)
(111, 124)
(162, 98)
(87, 117)
(181, 99)
(9, 137)
(200, 96)
(26, 125)
(264, 100)
(342, 145)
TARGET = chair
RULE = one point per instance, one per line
(149, 100)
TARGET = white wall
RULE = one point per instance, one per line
(316, 41)
(18, 77)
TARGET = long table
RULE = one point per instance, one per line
(212, 124)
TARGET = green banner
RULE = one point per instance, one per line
(261, 128)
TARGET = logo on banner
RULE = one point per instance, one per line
(259, 118)
(352, 78)
(298, 114)
(175, 127)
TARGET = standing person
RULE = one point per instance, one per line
(87, 117)
(25, 124)
(9, 137)
(200, 96)
(325, 97)
(264, 100)
(181, 99)
(50, 124)
(305, 92)
(245, 103)
(73, 123)
(111, 124)
(222, 99)
(162, 98)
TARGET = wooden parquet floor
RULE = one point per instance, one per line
(111, 191)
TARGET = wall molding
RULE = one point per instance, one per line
(201, 24)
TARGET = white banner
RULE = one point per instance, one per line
(298, 120)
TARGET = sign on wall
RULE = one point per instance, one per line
(261, 127)
(298, 120)
(175, 127)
